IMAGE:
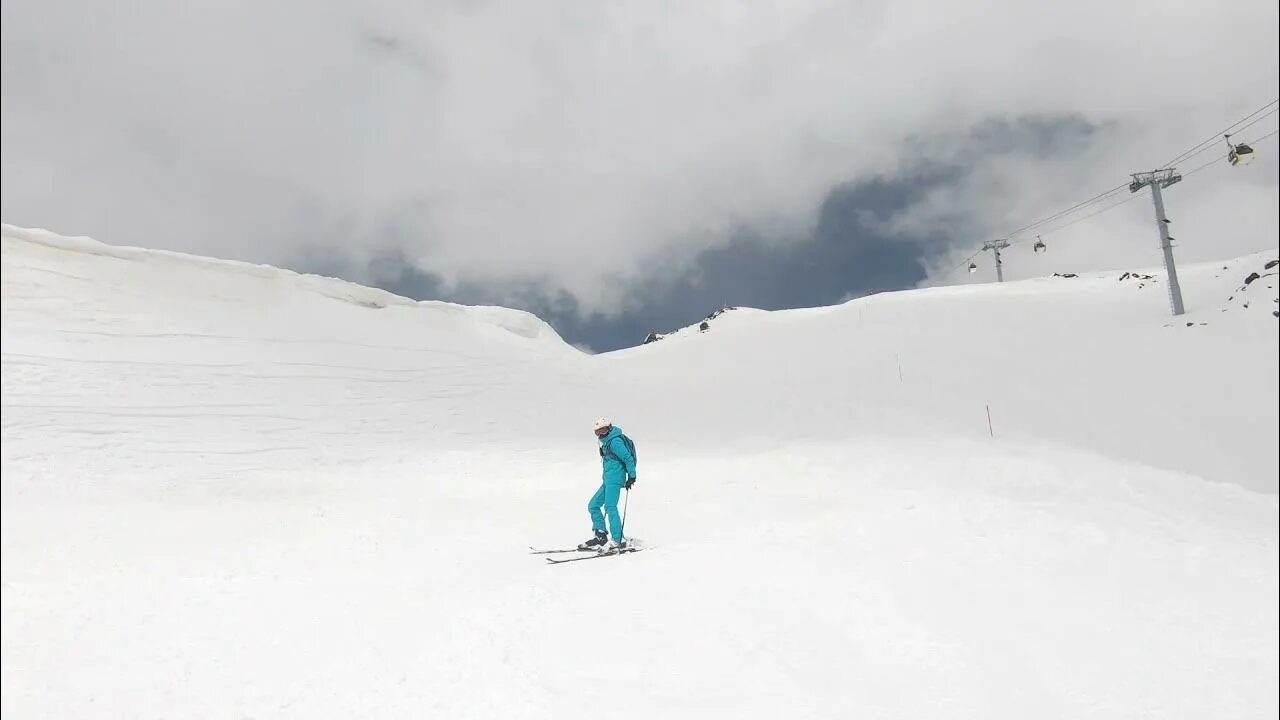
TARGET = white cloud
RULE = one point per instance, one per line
(578, 140)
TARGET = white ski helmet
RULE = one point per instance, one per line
(602, 423)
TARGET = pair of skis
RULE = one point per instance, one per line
(591, 554)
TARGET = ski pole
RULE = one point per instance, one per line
(625, 502)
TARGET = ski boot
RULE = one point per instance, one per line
(597, 542)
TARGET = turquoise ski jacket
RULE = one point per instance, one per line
(618, 462)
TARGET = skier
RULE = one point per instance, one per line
(619, 472)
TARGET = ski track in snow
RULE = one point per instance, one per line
(230, 491)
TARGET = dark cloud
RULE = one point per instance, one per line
(856, 247)
(1040, 137)
(848, 254)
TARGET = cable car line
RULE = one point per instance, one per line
(1238, 154)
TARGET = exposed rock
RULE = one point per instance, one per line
(1251, 278)
(703, 326)
(717, 313)
(1136, 276)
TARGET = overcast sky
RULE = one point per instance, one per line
(619, 166)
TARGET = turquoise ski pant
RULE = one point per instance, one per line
(606, 497)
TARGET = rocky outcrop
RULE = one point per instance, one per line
(1258, 286)
(703, 326)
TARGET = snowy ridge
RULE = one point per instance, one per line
(1235, 276)
(518, 322)
(235, 492)
(717, 318)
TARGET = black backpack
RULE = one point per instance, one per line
(631, 448)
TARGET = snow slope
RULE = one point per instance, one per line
(1093, 362)
(234, 491)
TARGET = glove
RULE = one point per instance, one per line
(630, 481)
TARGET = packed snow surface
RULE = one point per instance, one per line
(235, 491)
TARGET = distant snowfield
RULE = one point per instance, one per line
(234, 491)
